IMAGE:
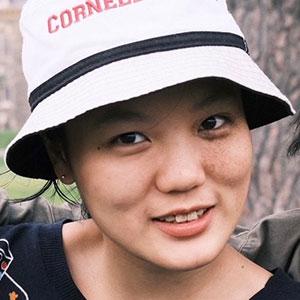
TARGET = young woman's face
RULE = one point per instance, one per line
(165, 176)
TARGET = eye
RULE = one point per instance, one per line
(212, 123)
(130, 138)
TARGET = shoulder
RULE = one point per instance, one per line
(19, 260)
(23, 259)
(280, 286)
(33, 263)
(23, 243)
(27, 232)
(35, 210)
(273, 225)
(263, 243)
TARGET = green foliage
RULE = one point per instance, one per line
(6, 137)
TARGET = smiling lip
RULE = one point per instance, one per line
(186, 229)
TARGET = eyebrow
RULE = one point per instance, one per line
(211, 99)
(114, 115)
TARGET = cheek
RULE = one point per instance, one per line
(231, 166)
(112, 185)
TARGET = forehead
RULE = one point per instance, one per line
(192, 95)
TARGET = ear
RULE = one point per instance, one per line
(60, 163)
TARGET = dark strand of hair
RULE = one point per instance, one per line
(294, 148)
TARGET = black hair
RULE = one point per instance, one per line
(294, 148)
(67, 194)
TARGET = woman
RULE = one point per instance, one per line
(150, 118)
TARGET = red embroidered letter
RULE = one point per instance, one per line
(91, 6)
(50, 28)
(123, 3)
(69, 21)
(79, 10)
(107, 4)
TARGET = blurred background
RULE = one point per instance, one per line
(272, 29)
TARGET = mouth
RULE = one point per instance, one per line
(185, 224)
(183, 217)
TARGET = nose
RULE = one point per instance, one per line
(180, 168)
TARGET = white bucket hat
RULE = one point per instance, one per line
(79, 55)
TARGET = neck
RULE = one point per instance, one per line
(138, 279)
(118, 275)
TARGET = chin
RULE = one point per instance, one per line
(186, 266)
(183, 266)
(184, 261)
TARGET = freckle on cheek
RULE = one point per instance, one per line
(232, 171)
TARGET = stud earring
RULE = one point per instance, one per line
(63, 176)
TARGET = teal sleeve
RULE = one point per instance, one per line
(273, 242)
(33, 211)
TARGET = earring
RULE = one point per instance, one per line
(63, 176)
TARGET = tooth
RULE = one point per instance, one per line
(200, 212)
(161, 219)
(192, 216)
(170, 218)
(181, 218)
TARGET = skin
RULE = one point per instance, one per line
(191, 148)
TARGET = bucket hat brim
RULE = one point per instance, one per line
(140, 75)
